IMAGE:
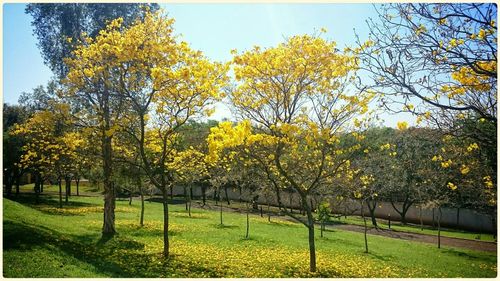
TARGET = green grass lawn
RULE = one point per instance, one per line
(44, 241)
(357, 220)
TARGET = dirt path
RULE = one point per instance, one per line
(445, 241)
(418, 237)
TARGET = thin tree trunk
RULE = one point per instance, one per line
(130, 199)
(77, 180)
(18, 180)
(366, 227)
(221, 214)
(185, 198)
(433, 218)
(190, 197)
(142, 209)
(37, 188)
(141, 193)
(421, 222)
(67, 182)
(439, 228)
(203, 194)
(60, 192)
(268, 212)
(227, 197)
(322, 227)
(9, 182)
(165, 224)
(312, 248)
(248, 221)
(41, 186)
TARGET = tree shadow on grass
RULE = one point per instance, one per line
(223, 226)
(49, 205)
(459, 253)
(116, 256)
(46, 199)
(378, 256)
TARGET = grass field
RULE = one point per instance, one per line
(357, 220)
(44, 241)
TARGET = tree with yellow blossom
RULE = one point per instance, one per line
(142, 81)
(294, 103)
(51, 146)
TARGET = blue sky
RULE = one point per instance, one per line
(214, 29)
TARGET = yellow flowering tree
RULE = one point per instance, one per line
(51, 146)
(155, 82)
(295, 97)
(190, 168)
(91, 87)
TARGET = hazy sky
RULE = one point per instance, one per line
(214, 29)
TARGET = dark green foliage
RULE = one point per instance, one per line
(53, 23)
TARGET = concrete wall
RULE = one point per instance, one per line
(467, 219)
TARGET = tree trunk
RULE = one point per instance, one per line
(190, 197)
(203, 194)
(248, 221)
(221, 214)
(312, 248)
(60, 192)
(142, 209)
(433, 218)
(421, 222)
(322, 227)
(227, 197)
(130, 199)
(77, 180)
(185, 198)
(371, 209)
(406, 205)
(366, 227)
(41, 186)
(9, 183)
(108, 227)
(38, 178)
(18, 182)
(165, 224)
(268, 212)
(67, 181)
(439, 228)
(172, 193)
